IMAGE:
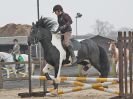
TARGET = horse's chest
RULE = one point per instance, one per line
(56, 41)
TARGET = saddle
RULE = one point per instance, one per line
(19, 59)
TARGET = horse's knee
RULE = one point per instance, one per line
(47, 68)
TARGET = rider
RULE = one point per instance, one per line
(65, 21)
(16, 49)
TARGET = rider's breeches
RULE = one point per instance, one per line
(66, 39)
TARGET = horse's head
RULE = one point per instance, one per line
(32, 38)
(1, 57)
(41, 30)
(112, 46)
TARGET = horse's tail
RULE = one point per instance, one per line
(104, 61)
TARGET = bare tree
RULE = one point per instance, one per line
(102, 28)
(126, 29)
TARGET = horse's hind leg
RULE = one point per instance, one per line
(14, 71)
(102, 71)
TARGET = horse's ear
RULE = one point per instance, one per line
(41, 18)
(114, 42)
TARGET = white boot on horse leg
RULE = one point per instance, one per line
(47, 69)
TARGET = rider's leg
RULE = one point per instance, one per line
(66, 61)
(67, 43)
(14, 57)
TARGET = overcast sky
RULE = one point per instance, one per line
(116, 12)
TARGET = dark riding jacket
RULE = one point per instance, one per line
(65, 20)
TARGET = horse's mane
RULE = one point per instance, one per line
(46, 23)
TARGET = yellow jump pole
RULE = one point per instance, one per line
(78, 79)
(76, 83)
(79, 88)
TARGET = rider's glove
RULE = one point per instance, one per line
(56, 31)
(62, 27)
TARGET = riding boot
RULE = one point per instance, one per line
(14, 57)
(74, 59)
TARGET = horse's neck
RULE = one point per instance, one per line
(46, 44)
(5, 56)
(56, 41)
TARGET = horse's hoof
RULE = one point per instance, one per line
(54, 93)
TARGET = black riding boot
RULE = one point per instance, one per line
(14, 57)
(74, 59)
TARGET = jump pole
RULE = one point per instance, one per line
(78, 79)
(76, 83)
(79, 88)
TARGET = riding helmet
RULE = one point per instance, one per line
(57, 8)
(15, 40)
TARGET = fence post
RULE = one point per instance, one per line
(125, 80)
(120, 47)
(29, 69)
(125, 40)
(130, 61)
(1, 78)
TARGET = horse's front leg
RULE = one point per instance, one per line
(57, 77)
(15, 71)
(46, 70)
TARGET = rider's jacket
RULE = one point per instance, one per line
(65, 19)
(16, 49)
